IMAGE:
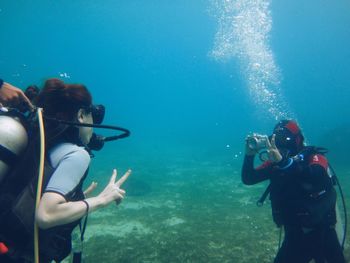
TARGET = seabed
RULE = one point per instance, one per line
(200, 212)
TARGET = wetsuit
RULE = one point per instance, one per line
(303, 201)
(69, 164)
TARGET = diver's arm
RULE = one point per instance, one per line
(250, 175)
(54, 210)
(13, 96)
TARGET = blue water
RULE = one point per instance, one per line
(190, 79)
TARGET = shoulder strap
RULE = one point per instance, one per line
(7, 156)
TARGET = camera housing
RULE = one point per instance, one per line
(257, 142)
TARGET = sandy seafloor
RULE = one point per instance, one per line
(187, 211)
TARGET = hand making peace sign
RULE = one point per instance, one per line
(112, 191)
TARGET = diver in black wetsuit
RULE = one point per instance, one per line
(302, 195)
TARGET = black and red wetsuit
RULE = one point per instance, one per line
(303, 201)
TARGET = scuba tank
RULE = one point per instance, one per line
(13, 139)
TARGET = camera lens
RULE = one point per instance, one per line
(252, 143)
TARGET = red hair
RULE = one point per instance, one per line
(61, 100)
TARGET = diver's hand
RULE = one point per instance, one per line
(120, 182)
(90, 189)
(113, 192)
(15, 97)
(248, 150)
(273, 152)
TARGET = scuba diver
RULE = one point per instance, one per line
(69, 141)
(302, 193)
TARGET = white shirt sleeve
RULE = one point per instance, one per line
(70, 163)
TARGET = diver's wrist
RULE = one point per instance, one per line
(250, 155)
(285, 163)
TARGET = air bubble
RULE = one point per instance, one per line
(243, 34)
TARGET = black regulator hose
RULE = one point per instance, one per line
(344, 206)
(125, 132)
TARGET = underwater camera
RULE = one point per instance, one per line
(257, 142)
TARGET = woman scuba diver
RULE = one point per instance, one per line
(69, 117)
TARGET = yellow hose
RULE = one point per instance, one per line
(40, 182)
